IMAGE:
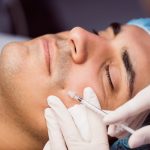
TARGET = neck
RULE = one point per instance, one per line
(12, 136)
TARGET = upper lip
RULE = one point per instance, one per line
(47, 53)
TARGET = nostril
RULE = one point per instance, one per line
(78, 38)
(75, 50)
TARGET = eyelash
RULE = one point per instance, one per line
(109, 78)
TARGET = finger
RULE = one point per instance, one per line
(64, 119)
(79, 115)
(112, 130)
(140, 137)
(97, 127)
(116, 131)
(91, 97)
(131, 108)
(54, 132)
(122, 113)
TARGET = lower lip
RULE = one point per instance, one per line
(47, 53)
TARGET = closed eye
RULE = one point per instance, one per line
(109, 77)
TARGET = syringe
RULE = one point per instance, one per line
(96, 109)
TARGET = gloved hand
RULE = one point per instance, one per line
(140, 103)
(65, 130)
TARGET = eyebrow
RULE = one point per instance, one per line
(130, 71)
(116, 27)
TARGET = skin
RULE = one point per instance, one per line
(78, 59)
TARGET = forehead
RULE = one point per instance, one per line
(137, 42)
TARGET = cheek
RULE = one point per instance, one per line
(25, 96)
(81, 77)
(76, 83)
(24, 91)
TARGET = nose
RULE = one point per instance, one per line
(80, 39)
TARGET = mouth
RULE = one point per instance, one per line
(47, 54)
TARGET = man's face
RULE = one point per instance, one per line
(115, 66)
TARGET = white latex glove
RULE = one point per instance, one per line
(114, 130)
(137, 105)
(65, 131)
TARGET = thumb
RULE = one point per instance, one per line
(54, 132)
(79, 115)
(120, 114)
(140, 137)
(90, 96)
